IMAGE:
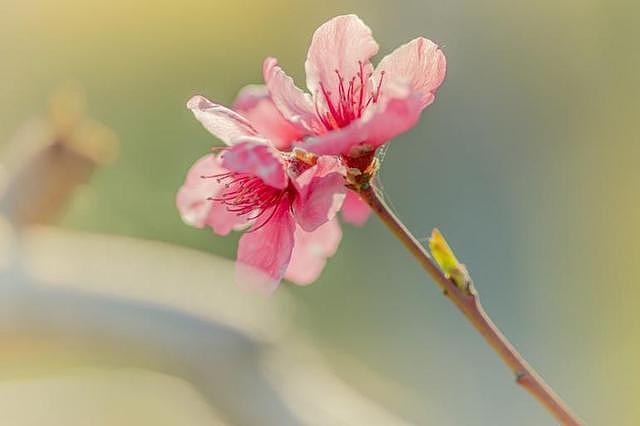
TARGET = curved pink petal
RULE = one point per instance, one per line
(193, 198)
(295, 105)
(341, 44)
(249, 96)
(254, 103)
(257, 158)
(311, 250)
(264, 254)
(393, 117)
(377, 126)
(420, 64)
(222, 122)
(354, 210)
(320, 193)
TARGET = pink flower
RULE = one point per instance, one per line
(288, 199)
(254, 103)
(283, 172)
(353, 108)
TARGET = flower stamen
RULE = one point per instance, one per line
(247, 195)
(353, 97)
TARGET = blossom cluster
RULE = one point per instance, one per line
(281, 176)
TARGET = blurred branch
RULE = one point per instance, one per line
(456, 284)
(50, 158)
(92, 301)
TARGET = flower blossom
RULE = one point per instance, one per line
(352, 108)
(254, 102)
(287, 199)
(282, 174)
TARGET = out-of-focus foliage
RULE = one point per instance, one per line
(50, 157)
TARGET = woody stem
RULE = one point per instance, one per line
(467, 301)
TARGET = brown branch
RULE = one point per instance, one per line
(466, 299)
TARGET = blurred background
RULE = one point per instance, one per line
(527, 161)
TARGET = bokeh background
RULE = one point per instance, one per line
(527, 161)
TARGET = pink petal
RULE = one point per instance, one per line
(222, 122)
(264, 254)
(192, 200)
(377, 126)
(295, 105)
(320, 193)
(254, 103)
(420, 64)
(249, 96)
(311, 250)
(393, 117)
(340, 44)
(354, 210)
(257, 158)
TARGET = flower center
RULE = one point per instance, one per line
(351, 100)
(247, 195)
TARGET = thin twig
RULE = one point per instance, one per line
(466, 299)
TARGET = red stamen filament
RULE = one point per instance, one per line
(350, 103)
(249, 196)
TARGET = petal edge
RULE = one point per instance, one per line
(223, 123)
